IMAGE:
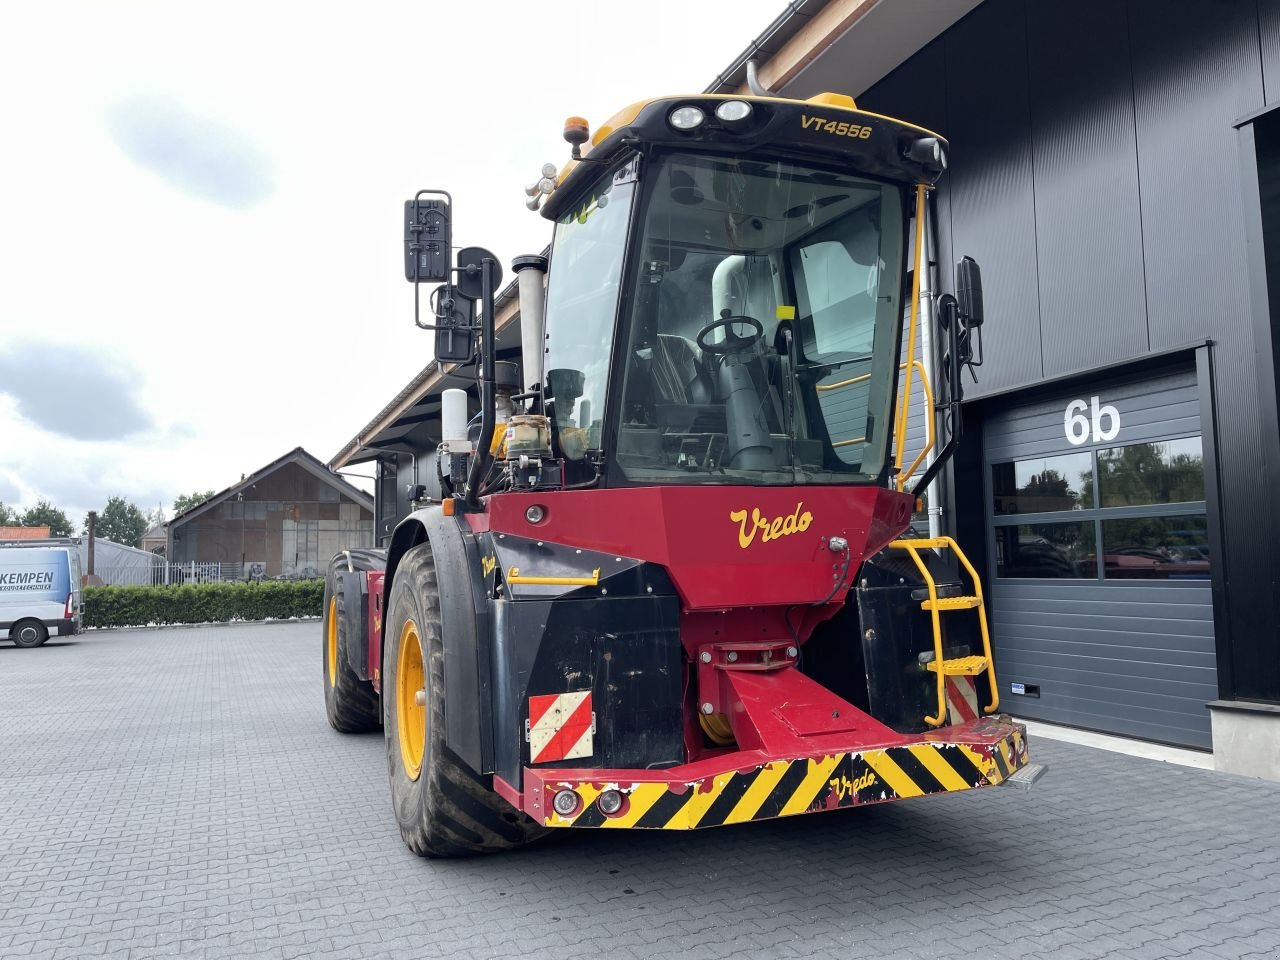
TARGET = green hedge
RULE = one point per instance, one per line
(202, 603)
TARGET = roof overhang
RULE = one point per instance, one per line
(842, 46)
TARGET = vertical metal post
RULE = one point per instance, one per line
(900, 428)
(93, 532)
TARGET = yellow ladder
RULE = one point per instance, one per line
(959, 666)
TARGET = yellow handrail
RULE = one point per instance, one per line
(928, 398)
(913, 547)
(928, 419)
(513, 576)
(824, 387)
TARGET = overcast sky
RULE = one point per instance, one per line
(200, 253)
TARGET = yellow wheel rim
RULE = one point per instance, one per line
(333, 641)
(411, 716)
(716, 727)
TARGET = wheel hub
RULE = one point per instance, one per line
(411, 701)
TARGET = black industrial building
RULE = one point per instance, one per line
(1115, 169)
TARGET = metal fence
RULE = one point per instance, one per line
(163, 572)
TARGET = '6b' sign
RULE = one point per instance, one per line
(1102, 425)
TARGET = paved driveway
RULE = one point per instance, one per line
(177, 793)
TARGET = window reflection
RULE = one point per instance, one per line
(1043, 484)
(1171, 471)
(1046, 550)
(1156, 548)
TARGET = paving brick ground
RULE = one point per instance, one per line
(177, 793)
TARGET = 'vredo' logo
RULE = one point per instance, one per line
(796, 522)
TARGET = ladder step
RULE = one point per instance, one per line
(919, 543)
(959, 666)
(950, 603)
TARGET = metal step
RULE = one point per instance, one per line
(950, 603)
(959, 666)
(1026, 778)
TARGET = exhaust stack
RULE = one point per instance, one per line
(531, 271)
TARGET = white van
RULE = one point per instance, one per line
(39, 593)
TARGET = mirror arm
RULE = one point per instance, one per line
(949, 314)
(483, 458)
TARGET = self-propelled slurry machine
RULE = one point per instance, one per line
(661, 577)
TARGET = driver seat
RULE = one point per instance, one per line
(678, 373)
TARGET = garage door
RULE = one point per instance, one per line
(1100, 596)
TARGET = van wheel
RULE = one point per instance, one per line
(28, 633)
(443, 808)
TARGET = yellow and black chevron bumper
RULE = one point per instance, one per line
(987, 753)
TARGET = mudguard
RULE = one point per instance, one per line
(464, 623)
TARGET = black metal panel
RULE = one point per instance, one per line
(626, 651)
(1255, 667)
(991, 184)
(917, 92)
(1088, 223)
(1269, 42)
(1197, 67)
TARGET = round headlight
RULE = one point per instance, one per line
(610, 802)
(535, 513)
(565, 802)
(687, 118)
(734, 111)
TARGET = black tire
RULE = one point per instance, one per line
(448, 810)
(28, 633)
(351, 704)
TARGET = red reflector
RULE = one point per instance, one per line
(71, 599)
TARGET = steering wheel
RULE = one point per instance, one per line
(732, 342)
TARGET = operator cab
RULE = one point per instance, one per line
(756, 332)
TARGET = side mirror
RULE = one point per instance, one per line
(427, 238)
(454, 327)
(969, 291)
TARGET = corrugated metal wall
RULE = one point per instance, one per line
(1096, 175)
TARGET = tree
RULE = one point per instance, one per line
(8, 518)
(184, 502)
(122, 522)
(45, 514)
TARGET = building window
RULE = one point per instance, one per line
(1132, 512)
(1171, 471)
(1043, 484)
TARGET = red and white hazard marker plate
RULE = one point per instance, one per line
(560, 727)
(962, 699)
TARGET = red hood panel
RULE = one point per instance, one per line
(723, 546)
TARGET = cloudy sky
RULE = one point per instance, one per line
(200, 255)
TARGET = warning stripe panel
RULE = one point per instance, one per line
(788, 787)
(560, 727)
(962, 699)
